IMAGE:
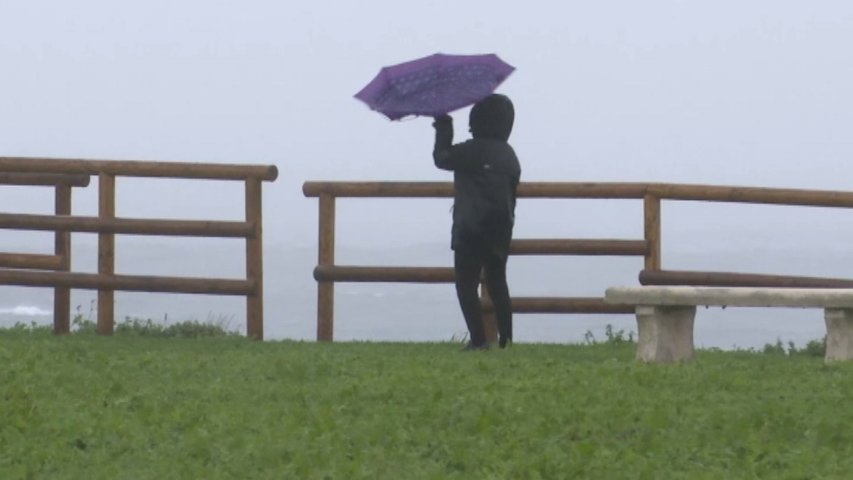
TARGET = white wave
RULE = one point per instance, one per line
(26, 311)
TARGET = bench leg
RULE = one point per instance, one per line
(839, 334)
(665, 333)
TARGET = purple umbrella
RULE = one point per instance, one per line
(434, 85)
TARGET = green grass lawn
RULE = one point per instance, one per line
(131, 407)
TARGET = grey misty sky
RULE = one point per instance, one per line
(721, 92)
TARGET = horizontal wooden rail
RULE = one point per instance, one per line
(777, 196)
(34, 261)
(131, 283)
(445, 189)
(378, 189)
(578, 247)
(446, 275)
(43, 179)
(581, 190)
(136, 226)
(594, 305)
(340, 273)
(731, 279)
(209, 171)
(697, 192)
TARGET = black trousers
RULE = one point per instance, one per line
(470, 260)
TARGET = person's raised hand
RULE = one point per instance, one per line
(443, 119)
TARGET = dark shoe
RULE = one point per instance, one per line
(504, 342)
(470, 347)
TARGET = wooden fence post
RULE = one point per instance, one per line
(106, 253)
(62, 249)
(254, 261)
(326, 257)
(651, 217)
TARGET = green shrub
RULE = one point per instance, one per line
(814, 348)
(618, 337)
(31, 327)
(184, 329)
(80, 325)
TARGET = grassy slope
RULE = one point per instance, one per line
(127, 407)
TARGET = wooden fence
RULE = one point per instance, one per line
(327, 272)
(60, 260)
(18, 269)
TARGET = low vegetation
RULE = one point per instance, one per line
(218, 327)
(143, 406)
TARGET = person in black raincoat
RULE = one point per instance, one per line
(486, 173)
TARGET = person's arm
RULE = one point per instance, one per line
(447, 156)
(443, 125)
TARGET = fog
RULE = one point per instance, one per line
(727, 92)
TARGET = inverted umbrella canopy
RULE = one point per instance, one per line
(434, 85)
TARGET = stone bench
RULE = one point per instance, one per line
(665, 315)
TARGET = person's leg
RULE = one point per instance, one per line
(495, 269)
(468, 266)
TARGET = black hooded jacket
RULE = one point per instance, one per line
(486, 173)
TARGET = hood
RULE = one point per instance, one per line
(492, 117)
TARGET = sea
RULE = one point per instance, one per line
(380, 312)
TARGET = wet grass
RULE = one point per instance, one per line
(140, 407)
